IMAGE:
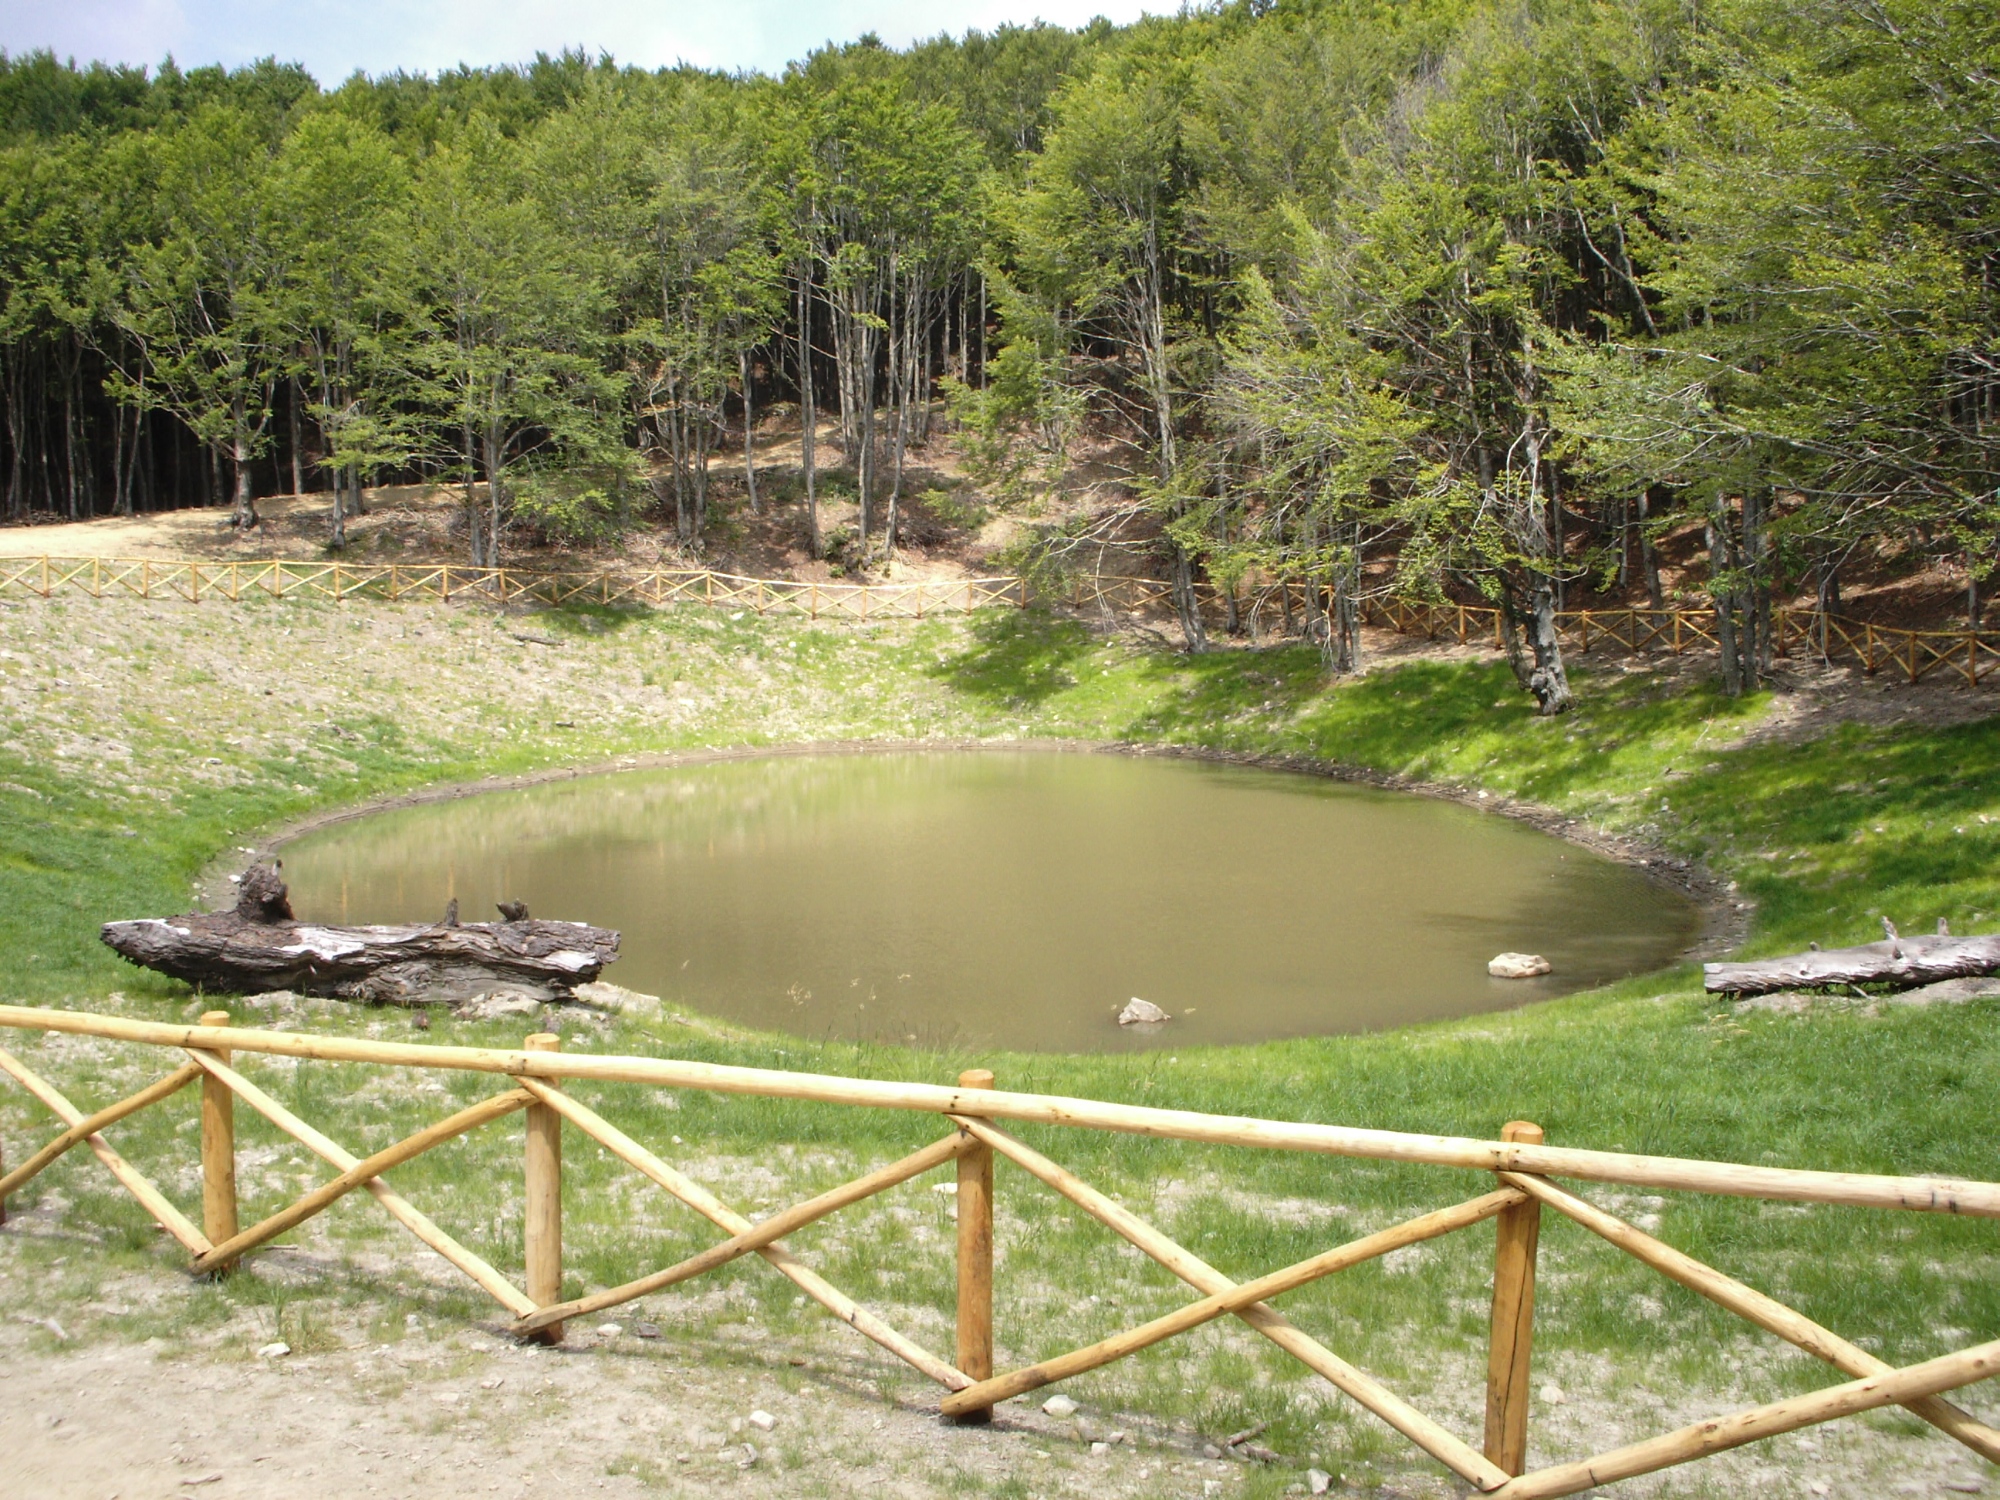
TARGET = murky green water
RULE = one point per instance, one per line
(1015, 899)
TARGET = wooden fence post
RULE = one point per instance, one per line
(975, 1258)
(542, 1232)
(218, 1151)
(1518, 1229)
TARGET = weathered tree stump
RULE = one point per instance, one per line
(260, 946)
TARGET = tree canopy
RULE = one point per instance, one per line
(1452, 298)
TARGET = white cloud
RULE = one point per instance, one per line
(335, 37)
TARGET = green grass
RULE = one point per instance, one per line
(1824, 836)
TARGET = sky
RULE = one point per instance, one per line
(333, 38)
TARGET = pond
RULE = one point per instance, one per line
(1015, 899)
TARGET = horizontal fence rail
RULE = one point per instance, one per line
(282, 578)
(1516, 1168)
(1973, 655)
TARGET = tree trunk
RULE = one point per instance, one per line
(1548, 682)
(475, 538)
(69, 445)
(1722, 591)
(258, 947)
(17, 500)
(244, 515)
(496, 489)
(1899, 960)
(808, 417)
(337, 540)
(749, 430)
(1649, 558)
(297, 435)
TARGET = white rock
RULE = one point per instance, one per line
(1098, 1450)
(603, 995)
(1139, 1012)
(274, 1351)
(1059, 1406)
(1517, 965)
(762, 1420)
(608, 1330)
(1820, 1487)
(1553, 1394)
(495, 1006)
(1318, 1481)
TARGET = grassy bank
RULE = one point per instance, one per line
(137, 742)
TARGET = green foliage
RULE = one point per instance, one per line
(1450, 283)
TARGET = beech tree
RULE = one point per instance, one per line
(201, 302)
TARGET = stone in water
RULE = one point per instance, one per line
(1141, 1012)
(1517, 965)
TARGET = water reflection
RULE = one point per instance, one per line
(1015, 899)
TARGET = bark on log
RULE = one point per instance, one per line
(1900, 961)
(259, 946)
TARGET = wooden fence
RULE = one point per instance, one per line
(1517, 1168)
(281, 578)
(1915, 654)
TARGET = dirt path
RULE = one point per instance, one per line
(467, 1413)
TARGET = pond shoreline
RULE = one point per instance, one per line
(1724, 917)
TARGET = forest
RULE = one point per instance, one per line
(1465, 299)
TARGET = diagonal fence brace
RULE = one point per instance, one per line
(1447, 1449)
(135, 1182)
(1754, 1306)
(1719, 1434)
(496, 1286)
(1414, 1231)
(757, 1236)
(362, 1173)
(705, 1203)
(83, 1130)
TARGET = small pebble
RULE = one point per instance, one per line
(1318, 1481)
(274, 1351)
(1553, 1394)
(1098, 1450)
(646, 1330)
(1059, 1406)
(609, 1330)
(762, 1420)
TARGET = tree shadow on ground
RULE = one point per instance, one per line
(1018, 658)
(578, 617)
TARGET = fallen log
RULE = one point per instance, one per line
(259, 945)
(1898, 960)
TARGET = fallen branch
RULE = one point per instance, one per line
(1901, 961)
